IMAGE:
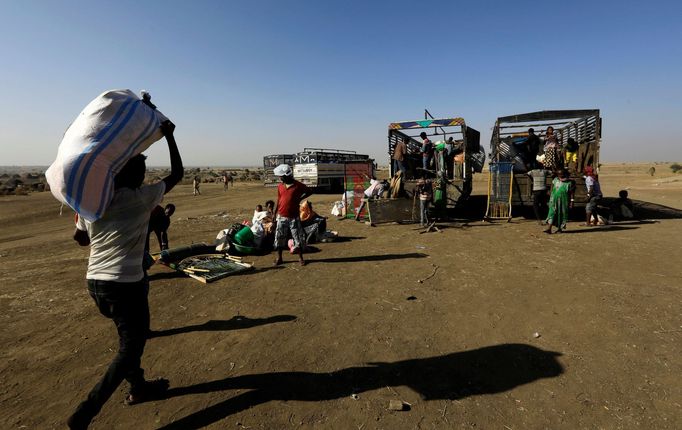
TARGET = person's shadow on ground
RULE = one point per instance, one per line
(361, 258)
(235, 323)
(487, 370)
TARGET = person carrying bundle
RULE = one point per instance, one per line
(116, 279)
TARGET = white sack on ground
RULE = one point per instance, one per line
(113, 128)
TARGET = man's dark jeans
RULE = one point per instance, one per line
(399, 165)
(127, 306)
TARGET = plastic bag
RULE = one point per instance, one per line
(222, 241)
(336, 209)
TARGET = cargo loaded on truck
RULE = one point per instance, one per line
(452, 173)
(510, 136)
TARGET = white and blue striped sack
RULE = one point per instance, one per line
(113, 128)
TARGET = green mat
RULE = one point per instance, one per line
(209, 268)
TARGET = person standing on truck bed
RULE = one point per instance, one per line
(553, 159)
(458, 160)
(571, 153)
(450, 157)
(532, 148)
(427, 151)
(399, 157)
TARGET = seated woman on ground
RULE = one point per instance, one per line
(622, 209)
(313, 224)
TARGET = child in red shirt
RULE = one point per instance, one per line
(290, 193)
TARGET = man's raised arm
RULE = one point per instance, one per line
(177, 171)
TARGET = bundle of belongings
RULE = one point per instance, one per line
(346, 205)
(239, 238)
(247, 238)
(114, 127)
(338, 209)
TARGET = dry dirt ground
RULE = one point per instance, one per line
(330, 344)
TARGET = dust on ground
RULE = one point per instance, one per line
(509, 328)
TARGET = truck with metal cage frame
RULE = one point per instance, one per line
(457, 182)
(509, 133)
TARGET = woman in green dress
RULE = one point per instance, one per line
(560, 201)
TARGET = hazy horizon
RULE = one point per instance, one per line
(42, 168)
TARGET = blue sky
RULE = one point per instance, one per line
(246, 79)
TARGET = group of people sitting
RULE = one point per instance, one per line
(264, 226)
(290, 221)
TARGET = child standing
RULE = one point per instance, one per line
(571, 153)
(424, 190)
(290, 193)
(159, 221)
(593, 196)
(270, 207)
